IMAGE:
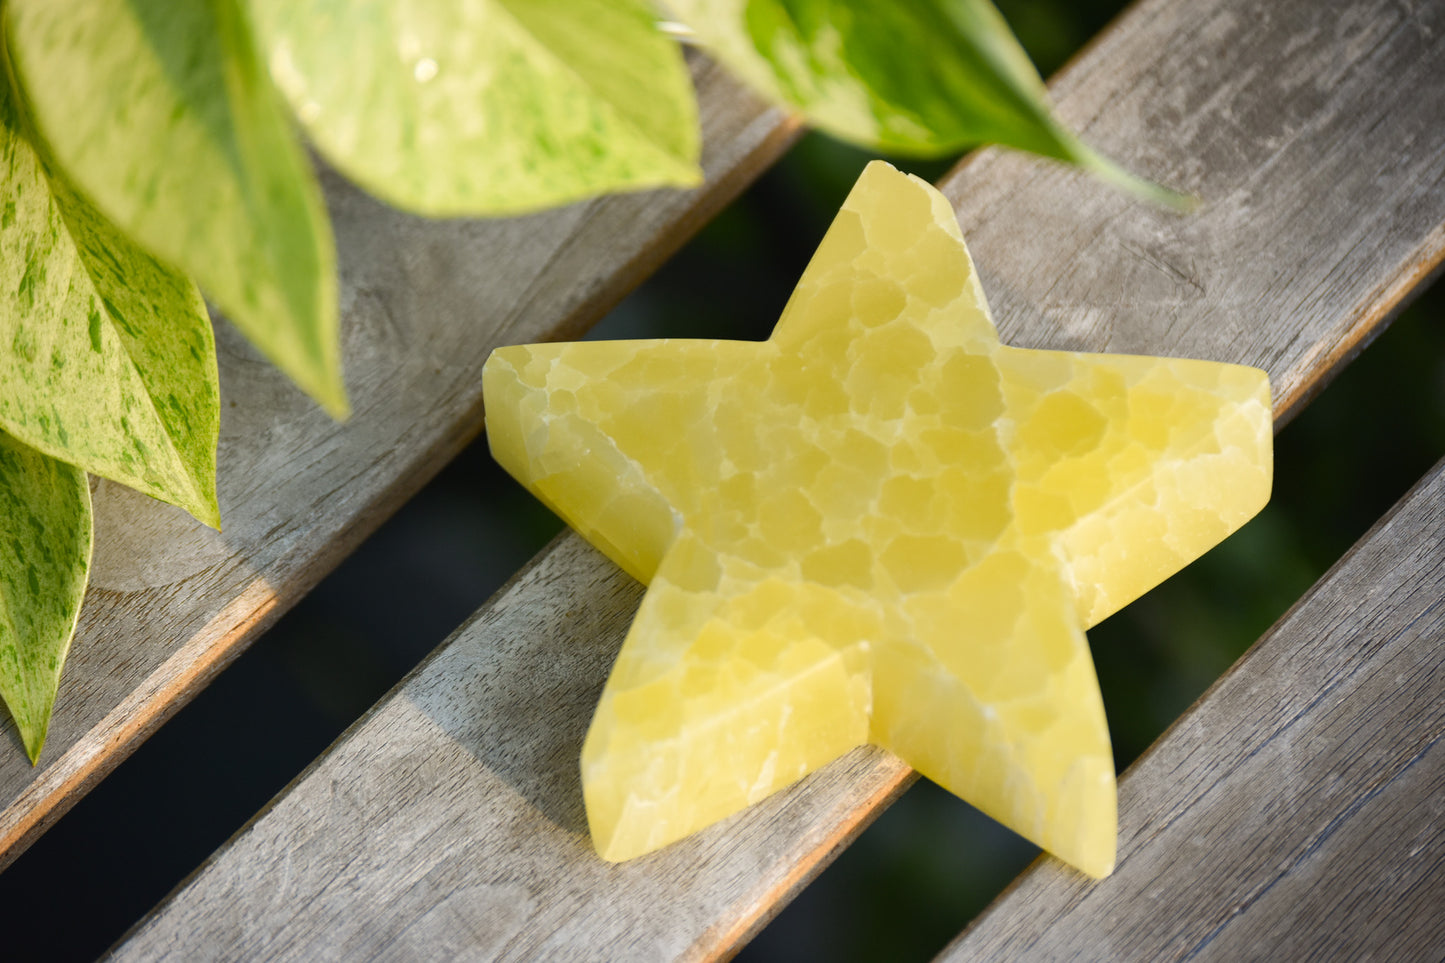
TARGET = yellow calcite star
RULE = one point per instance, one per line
(880, 525)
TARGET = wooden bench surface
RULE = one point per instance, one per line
(423, 303)
(449, 819)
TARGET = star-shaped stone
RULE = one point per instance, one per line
(880, 525)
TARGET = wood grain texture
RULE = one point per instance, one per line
(491, 728)
(423, 303)
(1298, 810)
(1309, 131)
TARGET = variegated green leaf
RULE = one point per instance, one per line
(106, 356)
(486, 106)
(162, 114)
(45, 530)
(923, 77)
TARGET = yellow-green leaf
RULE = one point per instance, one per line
(45, 530)
(107, 359)
(163, 116)
(925, 77)
(486, 106)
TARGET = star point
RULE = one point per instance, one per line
(880, 525)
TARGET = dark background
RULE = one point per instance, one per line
(915, 877)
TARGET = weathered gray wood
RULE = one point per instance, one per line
(451, 817)
(490, 728)
(423, 303)
(1298, 810)
(1309, 129)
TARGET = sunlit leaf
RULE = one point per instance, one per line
(106, 356)
(163, 115)
(44, 559)
(923, 77)
(486, 106)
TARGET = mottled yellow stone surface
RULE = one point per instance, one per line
(881, 526)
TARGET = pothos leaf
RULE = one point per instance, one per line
(486, 106)
(162, 114)
(45, 528)
(925, 77)
(106, 356)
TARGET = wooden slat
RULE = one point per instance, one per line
(1298, 810)
(423, 303)
(1311, 133)
(451, 815)
(491, 725)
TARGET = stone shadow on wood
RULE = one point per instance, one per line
(526, 674)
